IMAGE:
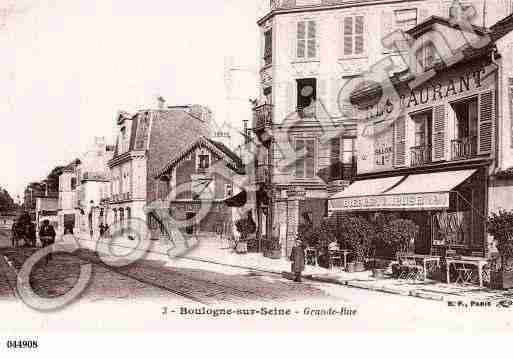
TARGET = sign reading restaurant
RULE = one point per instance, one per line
(417, 201)
(433, 92)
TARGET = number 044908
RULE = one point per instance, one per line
(22, 344)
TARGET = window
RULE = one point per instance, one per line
(427, 57)
(306, 93)
(73, 183)
(268, 47)
(353, 29)
(343, 158)
(204, 162)
(421, 152)
(306, 40)
(268, 94)
(305, 164)
(123, 140)
(465, 142)
(405, 19)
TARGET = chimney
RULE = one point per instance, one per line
(455, 11)
(161, 102)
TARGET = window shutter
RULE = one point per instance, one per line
(312, 39)
(400, 142)
(486, 117)
(348, 36)
(387, 23)
(359, 30)
(310, 159)
(322, 100)
(439, 120)
(300, 161)
(301, 38)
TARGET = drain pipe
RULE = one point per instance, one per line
(498, 96)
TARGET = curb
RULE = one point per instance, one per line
(374, 288)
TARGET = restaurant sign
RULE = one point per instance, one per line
(416, 201)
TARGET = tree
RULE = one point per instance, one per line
(6, 202)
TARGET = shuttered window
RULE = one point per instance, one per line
(486, 117)
(439, 120)
(305, 165)
(400, 142)
(306, 40)
(353, 34)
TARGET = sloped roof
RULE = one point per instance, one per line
(233, 161)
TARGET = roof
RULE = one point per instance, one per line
(427, 24)
(233, 161)
(71, 166)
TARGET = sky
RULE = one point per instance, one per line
(69, 66)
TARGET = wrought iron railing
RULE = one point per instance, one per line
(420, 155)
(262, 117)
(463, 148)
(263, 174)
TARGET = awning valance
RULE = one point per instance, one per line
(430, 191)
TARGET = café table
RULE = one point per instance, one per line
(477, 262)
(427, 261)
(342, 252)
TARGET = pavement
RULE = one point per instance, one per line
(216, 255)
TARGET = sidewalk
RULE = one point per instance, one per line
(213, 254)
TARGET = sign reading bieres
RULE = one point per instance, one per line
(418, 201)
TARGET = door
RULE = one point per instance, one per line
(190, 228)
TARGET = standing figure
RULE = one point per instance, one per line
(14, 234)
(31, 235)
(102, 230)
(47, 237)
(298, 260)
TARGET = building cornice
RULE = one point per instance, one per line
(316, 8)
(125, 157)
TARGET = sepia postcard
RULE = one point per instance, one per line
(277, 165)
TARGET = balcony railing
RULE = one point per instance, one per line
(420, 155)
(262, 117)
(463, 148)
(263, 174)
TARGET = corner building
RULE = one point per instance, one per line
(439, 151)
(310, 51)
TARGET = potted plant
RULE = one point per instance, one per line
(246, 227)
(398, 237)
(357, 233)
(272, 248)
(500, 226)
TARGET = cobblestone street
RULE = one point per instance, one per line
(151, 279)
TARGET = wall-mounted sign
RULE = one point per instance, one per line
(432, 92)
(383, 149)
(419, 201)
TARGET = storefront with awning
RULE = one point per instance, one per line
(448, 206)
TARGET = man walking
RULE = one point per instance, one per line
(298, 260)
(47, 237)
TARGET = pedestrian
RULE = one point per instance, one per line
(106, 229)
(14, 235)
(102, 230)
(298, 260)
(47, 237)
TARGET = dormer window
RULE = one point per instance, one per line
(427, 57)
(204, 163)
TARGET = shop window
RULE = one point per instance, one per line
(306, 40)
(421, 151)
(268, 47)
(306, 96)
(353, 29)
(464, 145)
(305, 163)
